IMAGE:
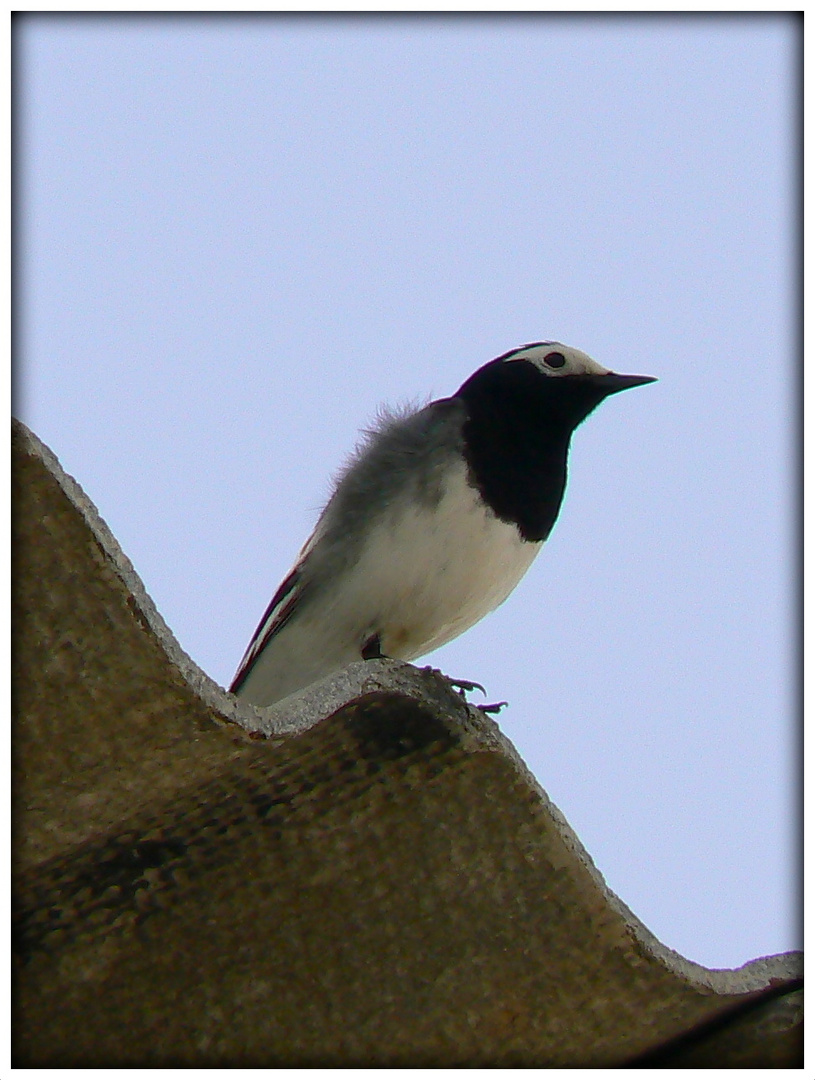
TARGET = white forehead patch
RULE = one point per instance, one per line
(545, 355)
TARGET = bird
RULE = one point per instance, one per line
(433, 521)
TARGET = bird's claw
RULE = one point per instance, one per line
(464, 686)
(494, 708)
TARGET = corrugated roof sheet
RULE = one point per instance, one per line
(365, 874)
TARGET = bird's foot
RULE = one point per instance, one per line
(466, 686)
(494, 708)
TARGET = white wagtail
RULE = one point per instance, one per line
(433, 522)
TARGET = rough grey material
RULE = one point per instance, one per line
(363, 874)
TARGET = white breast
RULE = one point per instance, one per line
(426, 574)
(430, 572)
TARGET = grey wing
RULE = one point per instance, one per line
(404, 452)
(281, 607)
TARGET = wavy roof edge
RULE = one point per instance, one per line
(476, 732)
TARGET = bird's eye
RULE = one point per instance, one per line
(554, 360)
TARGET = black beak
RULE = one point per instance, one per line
(613, 383)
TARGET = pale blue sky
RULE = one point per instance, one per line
(237, 236)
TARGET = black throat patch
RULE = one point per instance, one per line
(516, 439)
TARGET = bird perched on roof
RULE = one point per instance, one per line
(433, 522)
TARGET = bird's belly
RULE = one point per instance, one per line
(431, 572)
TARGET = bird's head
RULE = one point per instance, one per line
(558, 361)
(553, 386)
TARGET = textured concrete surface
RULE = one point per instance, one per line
(364, 874)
